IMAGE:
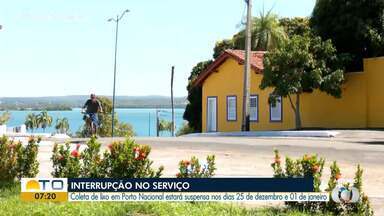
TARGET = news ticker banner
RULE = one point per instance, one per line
(170, 189)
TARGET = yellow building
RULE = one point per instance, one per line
(361, 105)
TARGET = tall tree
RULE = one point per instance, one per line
(267, 33)
(295, 26)
(221, 46)
(193, 109)
(355, 27)
(302, 64)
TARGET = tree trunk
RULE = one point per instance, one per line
(297, 112)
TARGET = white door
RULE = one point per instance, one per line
(212, 114)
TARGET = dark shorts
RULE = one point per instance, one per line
(94, 118)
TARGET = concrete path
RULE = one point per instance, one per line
(252, 156)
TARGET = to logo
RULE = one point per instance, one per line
(341, 194)
(43, 184)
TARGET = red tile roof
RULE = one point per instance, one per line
(238, 55)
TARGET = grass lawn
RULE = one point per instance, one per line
(10, 204)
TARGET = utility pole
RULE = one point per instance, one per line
(247, 69)
(114, 68)
(157, 123)
(149, 124)
(172, 104)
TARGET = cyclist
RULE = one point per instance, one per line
(91, 108)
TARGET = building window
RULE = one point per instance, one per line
(231, 108)
(254, 108)
(276, 111)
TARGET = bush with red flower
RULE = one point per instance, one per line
(66, 161)
(193, 169)
(311, 165)
(127, 159)
(121, 160)
(18, 161)
(306, 166)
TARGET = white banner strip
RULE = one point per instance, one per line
(196, 197)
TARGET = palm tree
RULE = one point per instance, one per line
(4, 118)
(165, 126)
(267, 33)
(31, 121)
(44, 120)
(62, 125)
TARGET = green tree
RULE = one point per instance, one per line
(302, 64)
(105, 118)
(31, 121)
(44, 120)
(355, 27)
(185, 129)
(295, 26)
(4, 118)
(193, 109)
(62, 125)
(223, 45)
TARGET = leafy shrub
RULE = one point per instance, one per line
(129, 160)
(185, 129)
(18, 161)
(363, 207)
(28, 166)
(306, 166)
(122, 160)
(276, 166)
(66, 163)
(193, 169)
(92, 164)
(332, 183)
(311, 165)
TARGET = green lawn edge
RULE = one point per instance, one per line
(10, 204)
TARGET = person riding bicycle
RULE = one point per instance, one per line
(92, 107)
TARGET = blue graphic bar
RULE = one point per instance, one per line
(191, 185)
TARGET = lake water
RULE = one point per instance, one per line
(143, 121)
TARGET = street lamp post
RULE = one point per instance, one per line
(118, 18)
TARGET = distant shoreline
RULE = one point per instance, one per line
(36, 109)
(67, 103)
(71, 109)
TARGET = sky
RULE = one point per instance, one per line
(66, 47)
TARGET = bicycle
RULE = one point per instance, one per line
(90, 126)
